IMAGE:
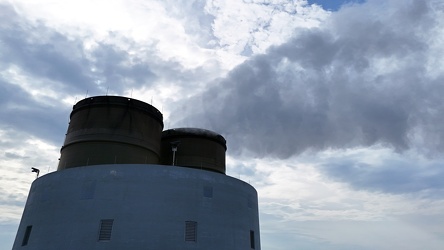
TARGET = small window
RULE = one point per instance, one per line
(106, 228)
(26, 236)
(252, 239)
(190, 231)
(208, 192)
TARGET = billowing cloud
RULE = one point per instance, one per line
(333, 116)
(43, 72)
(394, 177)
(368, 77)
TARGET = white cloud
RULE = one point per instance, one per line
(304, 207)
(19, 154)
(359, 94)
(250, 27)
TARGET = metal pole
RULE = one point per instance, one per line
(174, 146)
(37, 171)
(174, 155)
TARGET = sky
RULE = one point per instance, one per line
(332, 110)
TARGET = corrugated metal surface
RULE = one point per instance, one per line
(112, 130)
(196, 148)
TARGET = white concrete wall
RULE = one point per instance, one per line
(149, 205)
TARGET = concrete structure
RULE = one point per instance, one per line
(132, 205)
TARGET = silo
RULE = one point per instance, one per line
(127, 200)
(112, 130)
(193, 147)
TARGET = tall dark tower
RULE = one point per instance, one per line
(111, 130)
(122, 183)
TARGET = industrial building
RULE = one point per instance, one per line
(124, 183)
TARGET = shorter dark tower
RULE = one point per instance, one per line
(195, 148)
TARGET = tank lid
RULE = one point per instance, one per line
(194, 132)
(118, 101)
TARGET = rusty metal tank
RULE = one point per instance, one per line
(112, 130)
(193, 147)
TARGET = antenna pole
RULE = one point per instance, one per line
(174, 146)
(37, 171)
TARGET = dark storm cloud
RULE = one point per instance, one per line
(115, 70)
(361, 80)
(395, 176)
(58, 63)
(45, 53)
(41, 52)
(21, 112)
(15, 156)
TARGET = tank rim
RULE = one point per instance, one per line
(194, 132)
(117, 101)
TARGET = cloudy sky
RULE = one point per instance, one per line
(333, 110)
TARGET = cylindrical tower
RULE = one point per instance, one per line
(125, 199)
(139, 206)
(112, 130)
(193, 147)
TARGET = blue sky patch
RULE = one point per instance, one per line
(333, 5)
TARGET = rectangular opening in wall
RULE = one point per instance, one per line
(106, 228)
(252, 239)
(26, 236)
(191, 231)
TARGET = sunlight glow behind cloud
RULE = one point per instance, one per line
(334, 116)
